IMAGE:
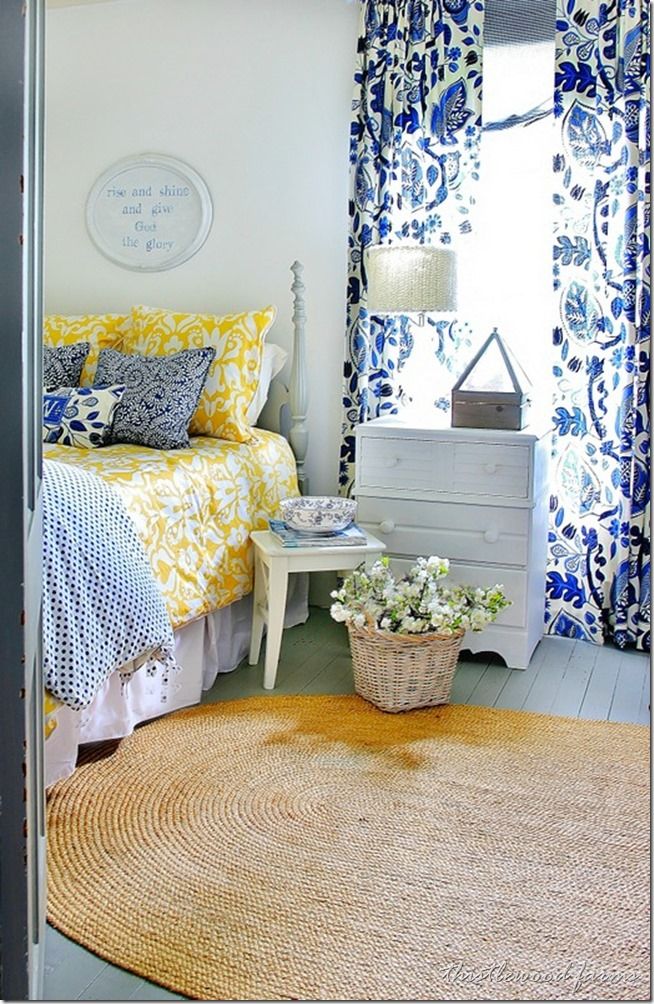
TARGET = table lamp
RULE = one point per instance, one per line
(410, 279)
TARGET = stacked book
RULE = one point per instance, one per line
(351, 536)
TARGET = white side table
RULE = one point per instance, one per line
(479, 497)
(272, 566)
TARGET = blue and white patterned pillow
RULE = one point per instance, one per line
(62, 366)
(162, 394)
(80, 416)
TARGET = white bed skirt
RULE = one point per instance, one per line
(214, 644)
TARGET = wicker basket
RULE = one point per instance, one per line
(399, 672)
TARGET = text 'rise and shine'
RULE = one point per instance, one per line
(145, 192)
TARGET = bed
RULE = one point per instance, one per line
(193, 510)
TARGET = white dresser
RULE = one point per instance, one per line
(476, 496)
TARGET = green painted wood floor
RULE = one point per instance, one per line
(564, 678)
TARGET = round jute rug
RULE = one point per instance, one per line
(313, 847)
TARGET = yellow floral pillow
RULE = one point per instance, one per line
(101, 331)
(233, 375)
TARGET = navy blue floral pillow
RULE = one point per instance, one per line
(80, 416)
(62, 366)
(162, 394)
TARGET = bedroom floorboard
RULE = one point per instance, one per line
(563, 678)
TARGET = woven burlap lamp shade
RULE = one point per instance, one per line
(406, 279)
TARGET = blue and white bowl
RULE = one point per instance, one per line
(318, 513)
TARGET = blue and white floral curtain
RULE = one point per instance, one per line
(414, 152)
(598, 580)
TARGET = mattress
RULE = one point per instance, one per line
(195, 509)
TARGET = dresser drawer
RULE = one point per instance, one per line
(412, 464)
(428, 467)
(481, 469)
(515, 585)
(490, 534)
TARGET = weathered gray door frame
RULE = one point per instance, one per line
(22, 836)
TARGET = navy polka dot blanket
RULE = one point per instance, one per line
(102, 608)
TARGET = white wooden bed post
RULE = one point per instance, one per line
(298, 433)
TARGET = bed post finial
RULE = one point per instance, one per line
(298, 433)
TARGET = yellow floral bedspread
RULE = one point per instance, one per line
(195, 509)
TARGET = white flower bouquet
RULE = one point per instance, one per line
(405, 634)
(416, 604)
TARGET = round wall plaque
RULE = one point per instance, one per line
(149, 212)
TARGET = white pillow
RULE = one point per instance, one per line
(272, 362)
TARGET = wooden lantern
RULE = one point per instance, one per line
(493, 392)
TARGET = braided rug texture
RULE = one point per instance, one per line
(316, 848)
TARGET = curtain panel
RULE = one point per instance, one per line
(598, 580)
(414, 150)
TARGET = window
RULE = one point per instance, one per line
(505, 265)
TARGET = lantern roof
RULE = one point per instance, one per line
(494, 369)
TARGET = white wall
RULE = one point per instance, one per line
(255, 95)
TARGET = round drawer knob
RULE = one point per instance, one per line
(392, 461)
(491, 536)
(490, 468)
(386, 526)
